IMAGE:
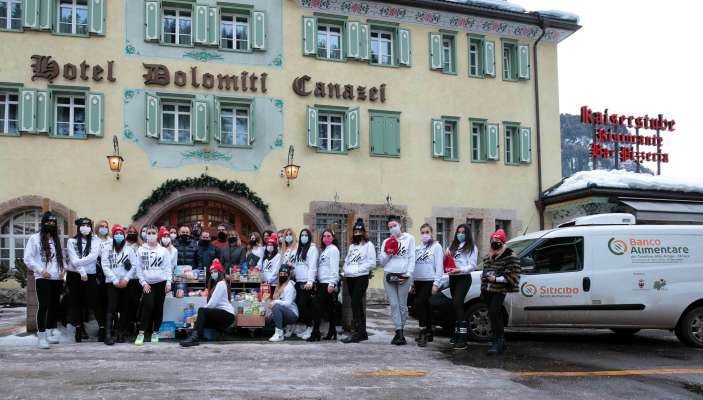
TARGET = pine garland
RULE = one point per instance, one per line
(203, 181)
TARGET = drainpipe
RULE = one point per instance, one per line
(540, 202)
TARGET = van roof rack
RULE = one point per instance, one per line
(602, 219)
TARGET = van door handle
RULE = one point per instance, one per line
(586, 284)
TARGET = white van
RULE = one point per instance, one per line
(603, 271)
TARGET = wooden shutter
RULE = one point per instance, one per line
(378, 127)
(391, 137)
(199, 122)
(353, 39)
(364, 37)
(212, 26)
(46, 14)
(525, 145)
(252, 124)
(493, 145)
(96, 16)
(258, 27)
(152, 116)
(435, 50)
(309, 36)
(404, 50)
(489, 58)
(351, 123)
(312, 126)
(43, 112)
(95, 114)
(200, 19)
(217, 121)
(27, 110)
(523, 61)
(30, 14)
(437, 138)
(152, 16)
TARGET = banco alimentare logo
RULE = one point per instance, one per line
(617, 246)
(528, 289)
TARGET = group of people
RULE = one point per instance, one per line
(123, 275)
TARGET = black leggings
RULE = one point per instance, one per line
(118, 302)
(357, 291)
(48, 296)
(134, 297)
(459, 286)
(324, 302)
(423, 292)
(212, 318)
(153, 308)
(84, 297)
(495, 308)
(306, 306)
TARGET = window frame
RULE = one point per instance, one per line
(454, 122)
(514, 146)
(451, 68)
(74, 12)
(580, 255)
(445, 231)
(177, 33)
(72, 106)
(378, 30)
(236, 106)
(4, 118)
(377, 234)
(175, 102)
(482, 147)
(512, 47)
(480, 57)
(233, 15)
(329, 113)
(11, 236)
(8, 16)
(342, 232)
(342, 35)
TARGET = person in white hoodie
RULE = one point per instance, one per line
(102, 234)
(44, 257)
(155, 274)
(429, 268)
(166, 242)
(284, 311)
(119, 264)
(305, 269)
(327, 283)
(398, 261)
(81, 277)
(360, 260)
(218, 313)
(464, 252)
(270, 262)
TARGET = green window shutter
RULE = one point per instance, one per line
(352, 128)
(152, 116)
(30, 14)
(152, 26)
(95, 113)
(437, 138)
(391, 137)
(353, 39)
(435, 50)
(42, 118)
(492, 151)
(364, 37)
(27, 110)
(200, 17)
(46, 14)
(199, 121)
(217, 123)
(212, 26)
(378, 127)
(258, 30)
(309, 36)
(489, 58)
(312, 126)
(252, 127)
(523, 61)
(525, 145)
(96, 16)
(404, 50)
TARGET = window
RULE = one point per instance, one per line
(445, 139)
(516, 61)
(11, 14)
(70, 116)
(382, 47)
(443, 232)
(8, 113)
(333, 129)
(475, 228)
(504, 225)
(478, 142)
(508, 58)
(73, 17)
(235, 125)
(330, 130)
(338, 224)
(450, 139)
(378, 232)
(329, 41)
(512, 145)
(175, 123)
(475, 64)
(177, 26)
(16, 230)
(234, 32)
(385, 133)
(442, 52)
(556, 255)
(448, 54)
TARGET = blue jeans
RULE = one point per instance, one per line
(283, 316)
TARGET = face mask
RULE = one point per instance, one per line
(118, 238)
(144, 235)
(327, 241)
(395, 230)
(252, 242)
(289, 239)
(214, 275)
(151, 238)
(304, 239)
(357, 238)
(221, 236)
(232, 240)
(165, 241)
(282, 278)
(85, 230)
(426, 238)
(496, 245)
(204, 242)
(102, 231)
(132, 237)
(173, 236)
(50, 228)
(461, 237)
(269, 249)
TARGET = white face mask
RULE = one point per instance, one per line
(426, 238)
(151, 238)
(269, 249)
(173, 236)
(165, 241)
(85, 230)
(214, 275)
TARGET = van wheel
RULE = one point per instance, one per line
(625, 331)
(690, 328)
(479, 324)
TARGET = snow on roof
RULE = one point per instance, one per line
(620, 179)
(557, 14)
(501, 5)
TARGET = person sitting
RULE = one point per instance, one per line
(218, 313)
(284, 311)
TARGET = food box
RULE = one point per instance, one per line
(167, 330)
(251, 321)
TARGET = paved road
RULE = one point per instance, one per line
(258, 370)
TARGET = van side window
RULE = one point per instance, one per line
(564, 254)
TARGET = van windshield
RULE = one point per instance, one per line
(520, 245)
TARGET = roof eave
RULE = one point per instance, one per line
(615, 192)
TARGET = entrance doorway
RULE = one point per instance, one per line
(209, 214)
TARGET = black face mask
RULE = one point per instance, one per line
(49, 228)
(221, 236)
(282, 278)
(232, 240)
(356, 239)
(496, 245)
(204, 242)
(252, 242)
(183, 237)
(131, 237)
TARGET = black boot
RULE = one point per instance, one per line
(456, 333)
(108, 330)
(422, 338)
(396, 338)
(192, 340)
(401, 339)
(101, 334)
(331, 332)
(354, 333)
(498, 346)
(461, 336)
(79, 333)
(120, 337)
(314, 336)
(429, 335)
(363, 335)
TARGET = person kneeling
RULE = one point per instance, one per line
(283, 309)
(218, 313)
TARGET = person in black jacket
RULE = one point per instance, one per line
(232, 255)
(186, 246)
(205, 254)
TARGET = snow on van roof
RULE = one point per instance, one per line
(620, 179)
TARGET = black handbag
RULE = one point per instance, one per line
(394, 278)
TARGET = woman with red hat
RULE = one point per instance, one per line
(218, 314)
(501, 275)
(270, 262)
(167, 243)
(119, 262)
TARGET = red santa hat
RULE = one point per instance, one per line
(117, 228)
(499, 234)
(217, 266)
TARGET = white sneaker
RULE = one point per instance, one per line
(288, 332)
(306, 333)
(277, 336)
(299, 328)
(54, 336)
(43, 343)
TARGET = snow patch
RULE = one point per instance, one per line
(501, 5)
(619, 179)
(558, 14)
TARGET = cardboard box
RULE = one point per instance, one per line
(250, 321)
